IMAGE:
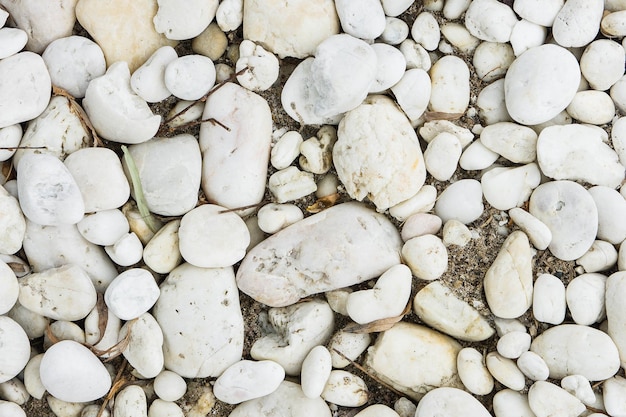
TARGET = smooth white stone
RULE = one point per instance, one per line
(10, 409)
(616, 316)
(58, 131)
(10, 288)
(10, 137)
(614, 395)
(115, 111)
(32, 323)
(64, 293)
(591, 106)
(403, 406)
(48, 193)
(450, 85)
(505, 188)
(377, 410)
(538, 233)
(288, 400)
(602, 63)
(508, 282)
(611, 226)
(229, 15)
(62, 408)
(509, 403)
(345, 389)
(571, 215)
(449, 402)
(453, 9)
(25, 88)
(412, 93)
(246, 380)
(473, 372)
(513, 344)
(12, 40)
(492, 59)
(70, 372)
(396, 31)
(286, 149)
(145, 341)
(315, 372)
(491, 103)
(421, 202)
(100, 178)
(187, 22)
(547, 399)
(4, 15)
(414, 359)
(456, 233)
(247, 144)
(386, 299)
(64, 330)
(618, 137)
(351, 345)
(618, 92)
(14, 350)
(295, 331)
(193, 112)
(356, 154)
(563, 118)
(540, 83)
(437, 306)
(549, 300)
(526, 35)
(514, 142)
(425, 31)
(580, 387)
(461, 201)
(415, 55)
(12, 223)
(130, 402)
(364, 20)
(427, 256)
(563, 150)
(160, 408)
(75, 250)
(104, 227)
(32, 380)
(601, 256)
(577, 23)
(391, 66)
(490, 20)
(162, 253)
(573, 349)
(262, 67)
(291, 184)
(132, 293)
(419, 224)
(442, 155)
(192, 300)
(73, 62)
(316, 152)
(337, 300)
(93, 334)
(541, 12)
(458, 36)
(148, 80)
(505, 371)
(189, 77)
(533, 366)
(169, 386)
(476, 156)
(396, 7)
(211, 239)
(614, 24)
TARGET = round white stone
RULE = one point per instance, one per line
(457, 36)
(426, 256)
(12, 223)
(541, 12)
(160, 408)
(10, 288)
(425, 31)
(490, 20)
(601, 256)
(420, 224)
(126, 251)
(130, 401)
(377, 410)
(571, 215)
(10, 137)
(473, 372)
(148, 80)
(190, 77)
(442, 155)
(549, 300)
(169, 386)
(211, 239)
(184, 22)
(396, 31)
(412, 92)
(70, 372)
(540, 83)
(132, 293)
(14, 349)
(526, 35)
(614, 395)
(513, 344)
(415, 55)
(104, 227)
(577, 23)
(614, 24)
(509, 403)
(602, 63)
(450, 85)
(11, 409)
(316, 369)
(533, 366)
(585, 298)
(462, 201)
(592, 106)
(449, 402)
(12, 40)
(262, 67)
(492, 59)
(611, 226)
(491, 103)
(246, 380)
(505, 371)
(505, 188)
(390, 67)
(229, 15)
(73, 62)
(365, 19)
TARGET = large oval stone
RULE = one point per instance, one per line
(341, 246)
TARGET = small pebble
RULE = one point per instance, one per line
(448, 402)
(132, 293)
(450, 85)
(600, 257)
(316, 369)
(145, 345)
(492, 59)
(104, 227)
(126, 251)
(229, 15)
(442, 155)
(274, 217)
(396, 31)
(513, 344)
(290, 184)
(212, 43)
(601, 63)
(459, 37)
(549, 301)
(427, 256)
(415, 55)
(286, 149)
(10, 409)
(615, 290)
(505, 188)
(505, 371)
(580, 387)
(540, 12)
(316, 152)
(189, 77)
(169, 386)
(345, 389)
(611, 226)
(64, 330)
(246, 380)
(526, 35)
(456, 233)
(592, 106)
(614, 395)
(538, 233)
(614, 24)
(162, 253)
(425, 31)
(491, 103)
(514, 142)
(148, 80)
(351, 345)
(461, 201)
(377, 410)
(365, 20)
(577, 23)
(473, 372)
(15, 349)
(420, 224)
(130, 401)
(477, 156)
(262, 67)
(509, 403)
(585, 298)
(533, 366)
(184, 22)
(160, 408)
(421, 202)
(490, 20)
(546, 399)
(12, 40)
(412, 92)
(10, 288)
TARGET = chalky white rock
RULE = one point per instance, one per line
(533, 366)
(12, 40)
(505, 371)
(377, 410)
(290, 184)
(427, 256)
(473, 373)
(450, 85)
(505, 188)
(315, 372)
(132, 293)
(442, 155)
(10, 288)
(246, 380)
(615, 289)
(458, 36)
(316, 152)
(461, 201)
(491, 103)
(545, 399)
(537, 11)
(184, 22)
(169, 386)
(585, 298)
(514, 142)
(396, 31)
(477, 156)
(286, 149)
(425, 31)
(262, 67)
(614, 395)
(144, 351)
(592, 106)
(351, 345)
(490, 20)
(422, 202)
(412, 92)
(601, 63)
(415, 55)
(130, 401)
(104, 227)
(456, 233)
(364, 20)
(94, 335)
(549, 299)
(513, 344)
(577, 23)
(538, 233)
(345, 389)
(148, 80)
(449, 402)
(609, 203)
(10, 137)
(12, 223)
(189, 77)
(420, 224)
(492, 59)
(580, 387)
(509, 403)
(229, 15)
(525, 35)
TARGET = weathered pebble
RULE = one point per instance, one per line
(526, 35)
(246, 380)
(148, 80)
(592, 106)
(104, 227)
(412, 92)
(538, 233)
(145, 341)
(162, 253)
(126, 251)
(477, 156)
(580, 387)
(184, 22)
(585, 298)
(490, 20)
(615, 291)
(160, 408)
(377, 410)
(533, 366)
(10, 409)
(420, 224)
(316, 369)
(132, 293)
(229, 15)
(514, 142)
(513, 344)
(262, 67)
(421, 202)
(169, 386)
(492, 59)
(611, 226)
(450, 85)
(130, 401)
(442, 155)
(509, 403)
(505, 188)
(286, 149)
(427, 256)
(350, 345)
(577, 23)
(189, 77)
(365, 20)
(12, 223)
(614, 395)
(505, 371)
(345, 389)
(396, 31)
(12, 40)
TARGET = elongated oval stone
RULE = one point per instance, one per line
(341, 246)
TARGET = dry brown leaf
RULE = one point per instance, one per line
(378, 325)
(437, 115)
(118, 348)
(18, 268)
(80, 112)
(51, 336)
(103, 316)
(323, 203)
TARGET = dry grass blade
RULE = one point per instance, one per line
(323, 203)
(118, 383)
(80, 112)
(142, 205)
(378, 325)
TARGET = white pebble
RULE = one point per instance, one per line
(132, 293)
(396, 31)
(415, 55)
(425, 31)
(290, 184)
(351, 345)
(611, 226)
(12, 40)
(462, 201)
(10, 409)
(412, 92)
(459, 37)
(477, 156)
(377, 410)
(262, 67)
(614, 24)
(316, 369)
(10, 288)
(592, 106)
(514, 142)
(601, 256)
(396, 7)
(526, 35)
(577, 23)
(426, 256)
(490, 20)
(421, 202)
(144, 351)
(130, 401)
(64, 330)
(549, 300)
(345, 389)
(505, 188)
(585, 298)
(448, 401)
(455, 233)
(430, 130)
(365, 20)
(450, 85)
(541, 12)
(148, 80)
(104, 227)
(442, 156)
(286, 149)
(473, 372)
(513, 344)
(602, 63)
(509, 403)
(190, 77)
(15, 349)
(169, 386)
(533, 366)
(246, 380)
(274, 217)
(183, 22)
(194, 112)
(10, 137)
(160, 408)
(162, 253)
(229, 15)
(579, 386)
(419, 224)
(547, 399)
(538, 233)
(316, 152)
(505, 371)
(614, 395)
(491, 103)
(126, 251)
(492, 59)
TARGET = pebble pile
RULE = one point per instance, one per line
(411, 126)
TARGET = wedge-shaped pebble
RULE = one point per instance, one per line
(438, 307)
(515, 142)
(414, 359)
(162, 253)
(299, 260)
(145, 341)
(509, 281)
